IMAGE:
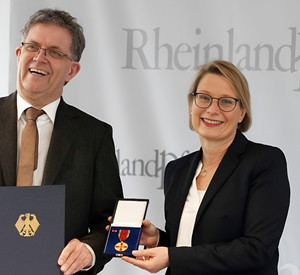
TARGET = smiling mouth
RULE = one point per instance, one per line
(39, 72)
(214, 122)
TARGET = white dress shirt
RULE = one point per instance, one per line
(189, 213)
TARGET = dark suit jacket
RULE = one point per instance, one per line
(242, 215)
(81, 156)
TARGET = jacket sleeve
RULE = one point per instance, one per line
(107, 189)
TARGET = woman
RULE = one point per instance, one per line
(225, 205)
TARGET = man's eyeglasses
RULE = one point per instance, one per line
(32, 48)
(226, 104)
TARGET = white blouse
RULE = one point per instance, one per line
(189, 213)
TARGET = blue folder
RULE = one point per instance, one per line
(32, 229)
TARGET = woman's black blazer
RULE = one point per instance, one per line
(242, 215)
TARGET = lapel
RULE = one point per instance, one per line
(61, 140)
(225, 169)
(8, 139)
(178, 194)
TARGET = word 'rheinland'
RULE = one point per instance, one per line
(148, 51)
(147, 168)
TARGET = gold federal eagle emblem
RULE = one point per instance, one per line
(27, 225)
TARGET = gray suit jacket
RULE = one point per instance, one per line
(82, 157)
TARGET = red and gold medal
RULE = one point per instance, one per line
(123, 235)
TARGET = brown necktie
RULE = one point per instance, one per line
(29, 148)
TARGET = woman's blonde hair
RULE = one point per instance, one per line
(238, 82)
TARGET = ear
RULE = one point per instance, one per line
(74, 69)
(242, 115)
(18, 53)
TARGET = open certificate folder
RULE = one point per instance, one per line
(125, 230)
(32, 229)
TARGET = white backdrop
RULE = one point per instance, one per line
(140, 60)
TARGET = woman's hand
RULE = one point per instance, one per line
(152, 259)
(150, 234)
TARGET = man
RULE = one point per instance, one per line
(75, 149)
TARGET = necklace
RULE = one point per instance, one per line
(211, 168)
(203, 172)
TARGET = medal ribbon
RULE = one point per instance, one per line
(123, 234)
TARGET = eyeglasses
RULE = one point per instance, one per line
(32, 48)
(226, 104)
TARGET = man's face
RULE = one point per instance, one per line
(41, 77)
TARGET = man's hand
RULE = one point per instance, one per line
(74, 257)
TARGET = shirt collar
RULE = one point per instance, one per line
(49, 109)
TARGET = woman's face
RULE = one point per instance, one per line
(213, 124)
